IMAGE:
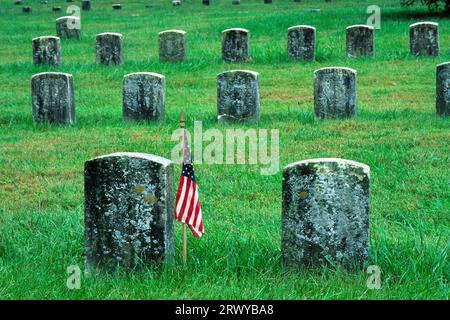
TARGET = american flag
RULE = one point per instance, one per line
(187, 203)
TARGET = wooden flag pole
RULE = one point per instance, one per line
(182, 126)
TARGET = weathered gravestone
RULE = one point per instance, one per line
(424, 39)
(172, 46)
(144, 97)
(116, 6)
(109, 48)
(86, 5)
(335, 92)
(236, 1)
(360, 41)
(47, 50)
(235, 45)
(302, 42)
(26, 9)
(68, 27)
(267, 1)
(56, 9)
(128, 211)
(206, 2)
(18, 2)
(176, 3)
(53, 98)
(325, 213)
(238, 96)
(443, 89)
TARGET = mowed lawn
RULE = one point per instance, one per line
(396, 132)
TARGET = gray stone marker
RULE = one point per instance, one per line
(172, 46)
(56, 9)
(238, 96)
(267, 1)
(235, 45)
(26, 9)
(206, 2)
(335, 92)
(443, 89)
(128, 211)
(424, 39)
(68, 27)
(236, 1)
(302, 42)
(325, 213)
(47, 50)
(53, 98)
(176, 3)
(144, 97)
(116, 6)
(86, 5)
(360, 41)
(109, 48)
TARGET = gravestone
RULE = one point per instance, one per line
(424, 39)
(267, 1)
(128, 211)
(238, 96)
(68, 27)
(235, 45)
(443, 89)
(236, 1)
(172, 46)
(86, 5)
(206, 2)
(144, 97)
(117, 6)
(109, 48)
(302, 42)
(176, 3)
(325, 213)
(26, 9)
(53, 98)
(18, 2)
(335, 92)
(56, 9)
(47, 50)
(360, 41)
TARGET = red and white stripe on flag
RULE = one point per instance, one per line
(187, 204)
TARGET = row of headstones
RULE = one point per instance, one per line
(129, 212)
(238, 96)
(301, 44)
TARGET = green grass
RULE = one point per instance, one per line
(396, 132)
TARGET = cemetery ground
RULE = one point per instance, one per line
(396, 132)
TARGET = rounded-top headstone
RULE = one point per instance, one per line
(128, 211)
(26, 9)
(206, 2)
(68, 27)
(47, 50)
(443, 89)
(235, 45)
(360, 41)
(176, 3)
(302, 42)
(172, 45)
(117, 6)
(109, 48)
(53, 98)
(424, 39)
(325, 213)
(335, 92)
(238, 96)
(144, 97)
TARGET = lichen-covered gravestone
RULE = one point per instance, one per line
(47, 50)
(235, 45)
(86, 5)
(172, 46)
(144, 97)
(424, 39)
(325, 213)
(302, 42)
(128, 211)
(68, 27)
(53, 98)
(360, 41)
(335, 92)
(238, 96)
(109, 48)
(443, 89)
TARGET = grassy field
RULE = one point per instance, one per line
(396, 132)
